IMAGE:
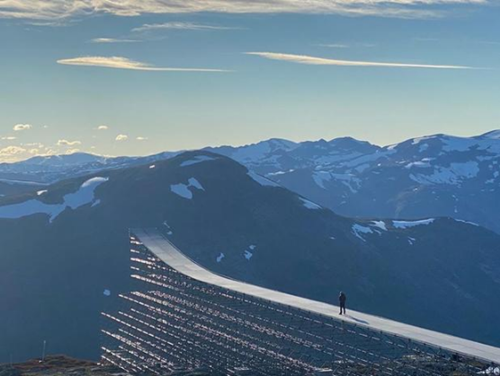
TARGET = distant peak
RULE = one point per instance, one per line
(495, 135)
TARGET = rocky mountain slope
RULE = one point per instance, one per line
(65, 253)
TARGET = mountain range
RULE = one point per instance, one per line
(65, 252)
(430, 176)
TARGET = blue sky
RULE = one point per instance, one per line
(90, 77)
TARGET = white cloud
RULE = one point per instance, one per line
(9, 138)
(102, 128)
(140, 138)
(121, 137)
(181, 26)
(68, 143)
(22, 127)
(12, 154)
(58, 10)
(72, 151)
(311, 60)
(112, 40)
(116, 62)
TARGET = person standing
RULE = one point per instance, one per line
(342, 300)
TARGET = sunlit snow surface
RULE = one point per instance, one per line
(380, 224)
(84, 196)
(308, 204)
(184, 191)
(409, 224)
(359, 230)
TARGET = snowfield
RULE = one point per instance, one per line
(410, 224)
(359, 230)
(85, 195)
(184, 191)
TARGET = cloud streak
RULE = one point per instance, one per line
(311, 60)
(68, 143)
(113, 40)
(57, 10)
(116, 62)
(181, 26)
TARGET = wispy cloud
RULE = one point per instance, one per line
(117, 62)
(181, 26)
(113, 40)
(102, 128)
(311, 60)
(68, 143)
(140, 138)
(22, 127)
(9, 138)
(54, 11)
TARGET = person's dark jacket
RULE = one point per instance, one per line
(342, 298)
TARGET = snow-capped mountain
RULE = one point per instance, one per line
(69, 243)
(51, 169)
(437, 175)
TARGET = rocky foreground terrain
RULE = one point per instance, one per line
(58, 365)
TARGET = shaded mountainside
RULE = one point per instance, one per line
(64, 251)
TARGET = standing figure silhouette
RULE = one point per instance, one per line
(342, 300)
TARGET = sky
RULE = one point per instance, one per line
(129, 77)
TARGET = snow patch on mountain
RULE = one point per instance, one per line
(309, 205)
(85, 195)
(419, 164)
(184, 191)
(455, 174)
(359, 230)
(410, 224)
(320, 177)
(418, 140)
(466, 222)
(220, 257)
(196, 160)
(380, 224)
(262, 180)
(256, 152)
